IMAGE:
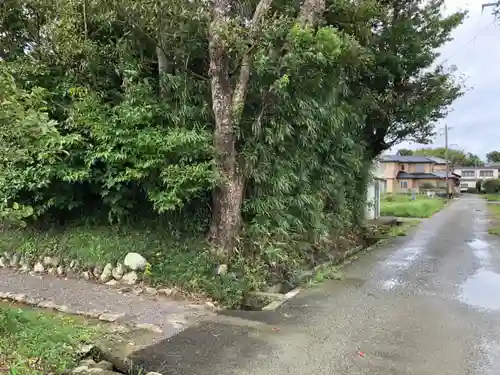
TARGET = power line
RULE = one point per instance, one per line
(471, 40)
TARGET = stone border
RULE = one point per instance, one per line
(125, 275)
(104, 316)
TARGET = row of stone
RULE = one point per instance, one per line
(89, 366)
(101, 315)
(126, 273)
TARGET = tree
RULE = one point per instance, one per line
(491, 186)
(405, 152)
(275, 109)
(455, 157)
(493, 157)
(479, 184)
(408, 92)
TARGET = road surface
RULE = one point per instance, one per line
(427, 305)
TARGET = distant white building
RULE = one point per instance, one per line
(471, 175)
(376, 188)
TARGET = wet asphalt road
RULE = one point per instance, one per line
(427, 305)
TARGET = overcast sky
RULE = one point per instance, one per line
(475, 50)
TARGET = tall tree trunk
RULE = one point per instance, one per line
(228, 105)
(228, 194)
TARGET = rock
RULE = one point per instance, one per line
(168, 292)
(126, 289)
(97, 272)
(60, 271)
(85, 350)
(151, 291)
(86, 275)
(135, 262)
(118, 271)
(51, 270)
(14, 261)
(87, 362)
(112, 283)
(153, 373)
(25, 267)
(7, 255)
(137, 291)
(130, 278)
(19, 297)
(3, 262)
(47, 261)
(107, 273)
(104, 365)
(222, 269)
(55, 262)
(73, 264)
(110, 317)
(80, 370)
(39, 268)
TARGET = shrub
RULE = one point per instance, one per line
(491, 186)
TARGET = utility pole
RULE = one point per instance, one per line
(446, 158)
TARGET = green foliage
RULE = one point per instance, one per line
(493, 157)
(106, 112)
(32, 342)
(491, 186)
(427, 185)
(455, 157)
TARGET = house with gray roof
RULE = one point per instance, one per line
(414, 173)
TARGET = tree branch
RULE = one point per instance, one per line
(241, 88)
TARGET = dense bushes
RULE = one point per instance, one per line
(114, 115)
(491, 186)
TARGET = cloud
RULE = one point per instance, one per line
(475, 51)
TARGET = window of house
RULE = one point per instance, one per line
(485, 173)
(419, 168)
(404, 184)
(402, 167)
(468, 174)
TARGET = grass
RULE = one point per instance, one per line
(492, 197)
(32, 342)
(401, 205)
(176, 259)
(494, 211)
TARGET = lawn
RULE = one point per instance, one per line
(494, 211)
(33, 342)
(401, 205)
(492, 197)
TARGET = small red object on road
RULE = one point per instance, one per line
(361, 354)
(276, 329)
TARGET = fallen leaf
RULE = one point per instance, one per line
(275, 329)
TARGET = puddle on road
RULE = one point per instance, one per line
(481, 290)
(480, 249)
(478, 244)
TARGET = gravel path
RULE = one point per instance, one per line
(91, 299)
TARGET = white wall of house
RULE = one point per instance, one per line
(373, 194)
(470, 175)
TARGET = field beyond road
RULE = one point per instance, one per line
(401, 205)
